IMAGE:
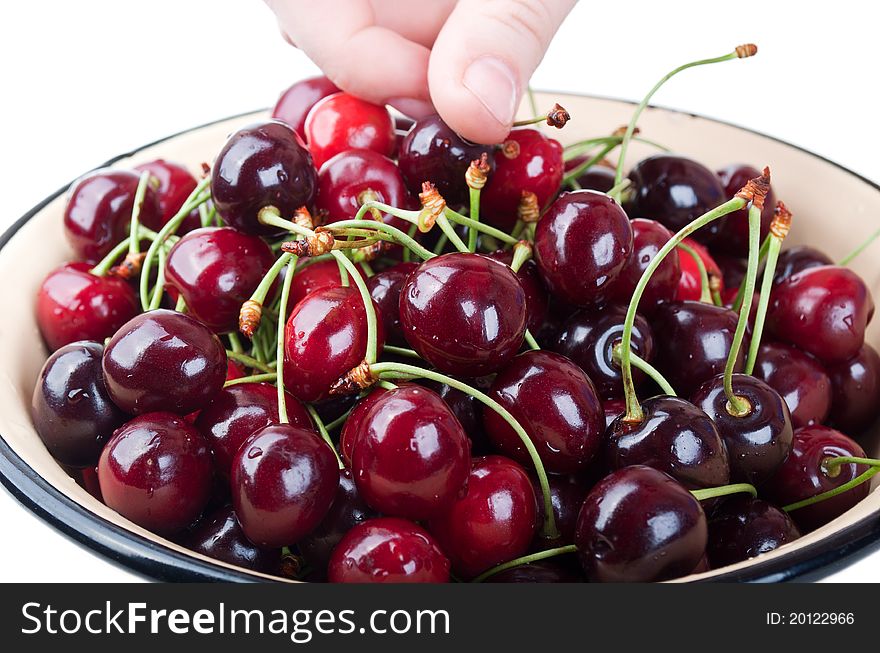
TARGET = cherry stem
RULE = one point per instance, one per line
(262, 289)
(104, 265)
(641, 364)
(530, 341)
(449, 231)
(773, 249)
(617, 190)
(253, 378)
(159, 288)
(339, 421)
(180, 304)
(705, 292)
(279, 350)
(577, 149)
(134, 243)
(369, 309)
(634, 411)
(576, 172)
(522, 252)
(474, 196)
(403, 214)
(740, 293)
(464, 221)
(205, 216)
(395, 234)
(387, 385)
(724, 490)
(395, 369)
(846, 260)
(235, 343)
(249, 361)
(325, 435)
(525, 560)
(827, 466)
(400, 351)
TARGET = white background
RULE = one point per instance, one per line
(82, 81)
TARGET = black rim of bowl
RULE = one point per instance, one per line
(155, 560)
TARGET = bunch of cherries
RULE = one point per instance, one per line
(362, 349)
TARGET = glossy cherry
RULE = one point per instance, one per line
(822, 310)
(757, 443)
(175, 184)
(640, 525)
(156, 471)
(261, 165)
(342, 122)
(537, 299)
(556, 404)
(410, 457)
(582, 244)
(855, 403)
(388, 550)
(284, 479)
(468, 410)
(567, 493)
(310, 278)
(385, 290)
(597, 177)
(543, 571)
(237, 412)
(73, 305)
(797, 259)
(689, 284)
(464, 313)
(744, 527)
(295, 103)
(99, 208)
(325, 337)
(733, 232)
(163, 360)
(352, 427)
(219, 536)
(70, 407)
(648, 237)
(801, 381)
(493, 522)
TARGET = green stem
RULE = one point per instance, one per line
(369, 309)
(249, 361)
(339, 421)
(107, 262)
(574, 173)
(407, 252)
(522, 252)
(740, 293)
(846, 487)
(724, 490)
(525, 560)
(279, 344)
(474, 196)
(449, 231)
(387, 385)
(846, 260)
(400, 351)
(705, 292)
(262, 289)
(235, 342)
(159, 289)
(483, 228)
(775, 245)
(180, 304)
(531, 342)
(253, 378)
(343, 273)
(204, 216)
(407, 241)
(134, 243)
(324, 433)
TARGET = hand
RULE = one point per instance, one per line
(468, 60)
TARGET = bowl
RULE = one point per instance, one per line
(833, 207)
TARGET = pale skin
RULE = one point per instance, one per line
(468, 60)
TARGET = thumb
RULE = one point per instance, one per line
(483, 58)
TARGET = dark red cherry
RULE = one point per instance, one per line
(799, 378)
(648, 237)
(696, 339)
(325, 337)
(98, 211)
(493, 522)
(156, 471)
(588, 338)
(264, 164)
(640, 525)
(758, 442)
(163, 360)
(537, 299)
(464, 313)
(219, 536)
(689, 284)
(237, 412)
(797, 259)
(733, 231)
(855, 384)
(803, 475)
(733, 268)
(385, 290)
(284, 479)
(613, 409)
(388, 550)
(567, 493)
(216, 270)
(528, 161)
(675, 437)
(597, 177)
(175, 184)
(74, 305)
(822, 310)
(352, 428)
(556, 404)
(582, 244)
(543, 571)
(674, 190)
(468, 410)
(310, 278)
(744, 527)
(295, 103)
(410, 457)
(342, 122)
(72, 412)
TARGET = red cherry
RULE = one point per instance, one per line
(689, 286)
(219, 536)
(342, 122)
(295, 103)
(744, 528)
(855, 385)
(537, 299)
(234, 371)
(648, 237)
(353, 424)
(310, 278)
(175, 186)
(385, 290)
(799, 378)
(567, 494)
(344, 179)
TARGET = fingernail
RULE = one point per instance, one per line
(494, 84)
(412, 107)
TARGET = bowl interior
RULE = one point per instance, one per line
(833, 208)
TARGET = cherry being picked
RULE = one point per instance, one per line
(358, 348)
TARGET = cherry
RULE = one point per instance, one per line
(822, 310)
(803, 475)
(675, 437)
(733, 269)
(325, 337)
(311, 278)
(431, 151)
(648, 237)
(697, 339)
(464, 313)
(757, 443)
(163, 360)
(284, 479)
(388, 550)
(342, 122)
(588, 338)
(219, 536)
(237, 412)
(493, 522)
(674, 190)
(582, 244)
(744, 527)
(567, 493)
(800, 379)
(410, 456)
(597, 177)
(543, 571)
(733, 232)
(87, 479)
(72, 412)
(468, 410)
(797, 259)
(295, 103)
(234, 370)
(855, 385)
(156, 471)
(352, 427)
(176, 184)
(73, 305)
(690, 284)
(640, 525)
(556, 403)
(528, 161)
(537, 299)
(98, 211)
(261, 165)
(385, 290)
